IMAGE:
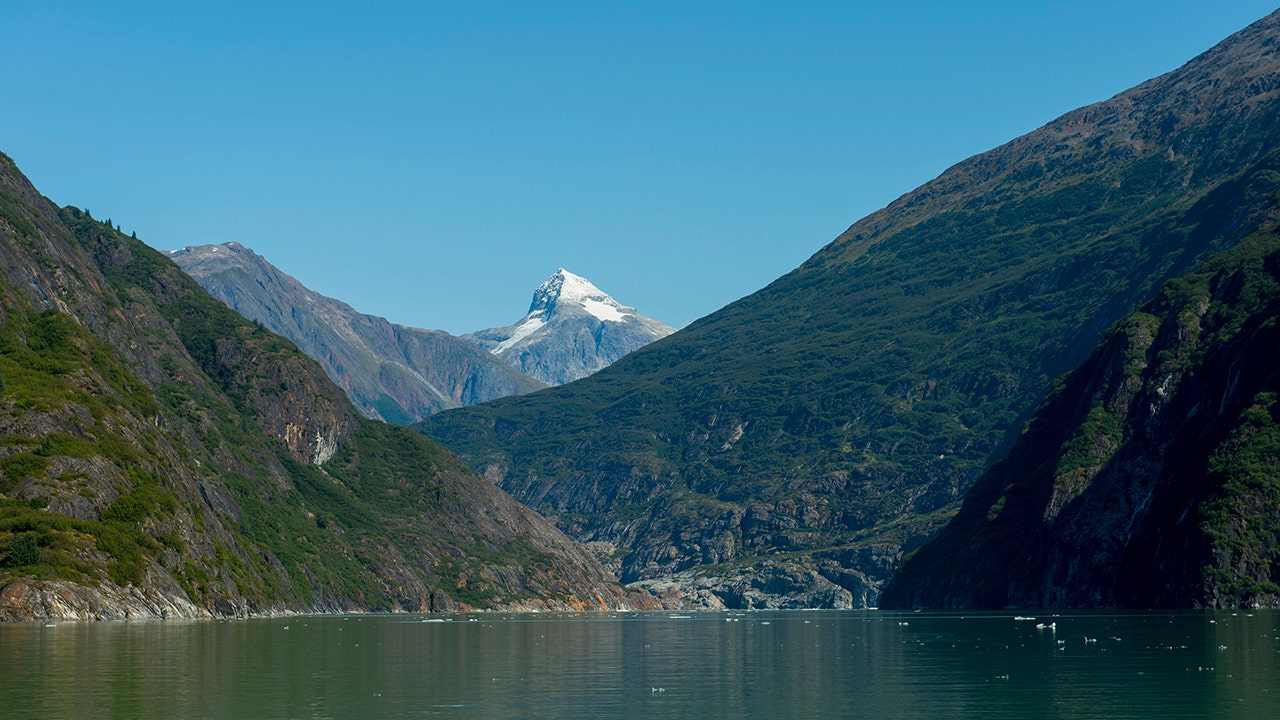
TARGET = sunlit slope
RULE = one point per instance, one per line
(161, 455)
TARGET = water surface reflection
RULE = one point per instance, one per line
(703, 666)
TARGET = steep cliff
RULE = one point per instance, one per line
(1150, 477)
(391, 372)
(161, 455)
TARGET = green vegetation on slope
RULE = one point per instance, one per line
(149, 436)
(1151, 475)
(45, 359)
(876, 382)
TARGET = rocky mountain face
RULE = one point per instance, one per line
(572, 330)
(833, 420)
(391, 372)
(162, 456)
(1150, 477)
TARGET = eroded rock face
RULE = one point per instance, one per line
(31, 600)
(771, 585)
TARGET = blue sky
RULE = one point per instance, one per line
(434, 162)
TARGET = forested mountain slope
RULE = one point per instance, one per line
(834, 418)
(1150, 477)
(160, 455)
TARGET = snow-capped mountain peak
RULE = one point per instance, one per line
(566, 289)
(572, 329)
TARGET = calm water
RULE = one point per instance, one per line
(701, 667)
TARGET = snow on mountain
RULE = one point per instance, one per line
(566, 288)
(523, 329)
(572, 329)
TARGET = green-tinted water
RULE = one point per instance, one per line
(704, 667)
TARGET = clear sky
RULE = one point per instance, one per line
(433, 162)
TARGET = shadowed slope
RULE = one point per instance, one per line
(1151, 475)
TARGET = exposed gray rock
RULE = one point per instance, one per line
(780, 585)
(30, 600)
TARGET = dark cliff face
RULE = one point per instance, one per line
(391, 372)
(161, 455)
(1151, 476)
(842, 411)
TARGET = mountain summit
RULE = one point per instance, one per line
(578, 292)
(572, 329)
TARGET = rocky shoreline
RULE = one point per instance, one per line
(28, 600)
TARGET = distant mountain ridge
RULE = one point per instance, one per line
(572, 329)
(391, 372)
(831, 422)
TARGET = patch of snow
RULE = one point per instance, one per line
(608, 312)
(566, 289)
(527, 327)
(575, 287)
(564, 286)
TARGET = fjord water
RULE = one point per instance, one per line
(704, 666)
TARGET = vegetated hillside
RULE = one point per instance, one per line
(572, 329)
(1150, 477)
(161, 455)
(834, 418)
(391, 372)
